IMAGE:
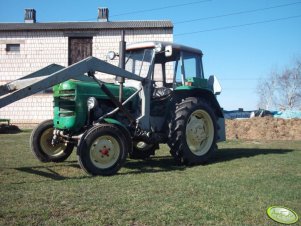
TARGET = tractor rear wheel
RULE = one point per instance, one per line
(42, 148)
(193, 131)
(103, 150)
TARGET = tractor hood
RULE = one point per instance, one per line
(70, 101)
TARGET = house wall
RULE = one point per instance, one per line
(39, 49)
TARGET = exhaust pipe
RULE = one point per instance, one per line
(122, 47)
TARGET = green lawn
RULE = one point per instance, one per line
(236, 189)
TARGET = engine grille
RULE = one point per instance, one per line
(67, 103)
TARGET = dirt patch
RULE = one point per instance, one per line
(266, 128)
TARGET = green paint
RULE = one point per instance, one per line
(282, 215)
(185, 88)
(114, 121)
(198, 82)
(195, 84)
(70, 102)
(189, 88)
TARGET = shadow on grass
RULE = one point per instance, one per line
(153, 165)
(229, 154)
(48, 172)
(43, 171)
(167, 163)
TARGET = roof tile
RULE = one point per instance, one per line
(85, 25)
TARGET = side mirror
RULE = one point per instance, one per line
(168, 51)
(214, 84)
(111, 55)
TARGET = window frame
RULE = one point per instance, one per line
(13, 48)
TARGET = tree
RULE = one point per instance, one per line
(281, 90)
(266, 91)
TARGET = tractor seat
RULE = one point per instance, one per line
(161, 92)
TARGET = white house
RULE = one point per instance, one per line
(29, 46)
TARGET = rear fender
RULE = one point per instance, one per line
(204, 93)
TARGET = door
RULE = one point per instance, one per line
(79, 48)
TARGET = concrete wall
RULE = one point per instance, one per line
(39, 49)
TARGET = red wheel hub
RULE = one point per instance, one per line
(104, 151)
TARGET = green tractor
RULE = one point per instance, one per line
(160, 96)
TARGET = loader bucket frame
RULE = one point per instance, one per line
(83, 70)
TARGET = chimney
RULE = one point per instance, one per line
(103, 15)
(30, 16)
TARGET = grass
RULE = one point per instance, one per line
(236, 189)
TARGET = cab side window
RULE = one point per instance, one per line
(178, 71)
(192, 65)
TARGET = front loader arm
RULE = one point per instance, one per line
(29, 79)
(55, 74)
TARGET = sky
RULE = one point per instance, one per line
(242, 40)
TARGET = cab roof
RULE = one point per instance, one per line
(153, 44)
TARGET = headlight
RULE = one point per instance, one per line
(111, 55)
(91, 103)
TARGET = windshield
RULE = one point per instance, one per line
(139, 61)
(187, 65)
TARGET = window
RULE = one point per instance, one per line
(139, 61)
(187, 65)
(158, 76)
(192, 65)
(12, 47)
(178, 71)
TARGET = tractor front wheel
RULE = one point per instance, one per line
(42, 148)
(103, 150)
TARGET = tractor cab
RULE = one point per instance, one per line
(169, 65)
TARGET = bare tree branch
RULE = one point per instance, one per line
(281, 90)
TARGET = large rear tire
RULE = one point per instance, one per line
(41, 147)
(103, 151)
(193, 132)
